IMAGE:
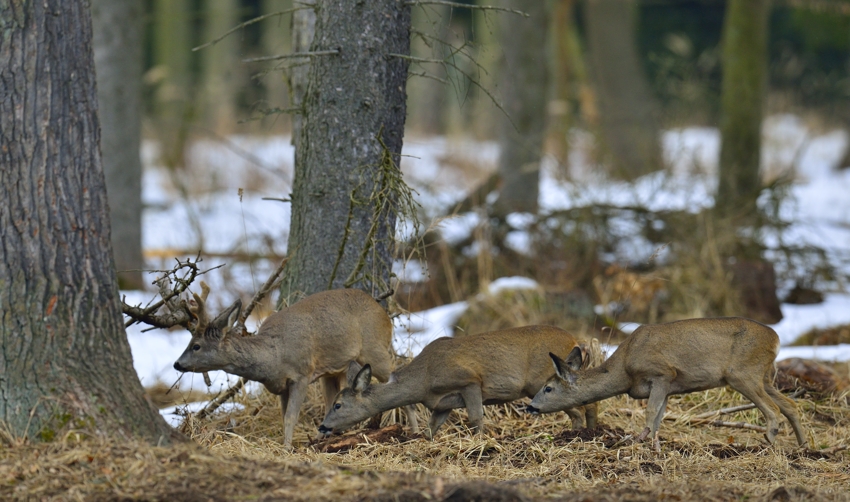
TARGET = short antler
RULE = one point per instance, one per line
(198, 311)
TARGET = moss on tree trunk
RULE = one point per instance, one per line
(353, 126)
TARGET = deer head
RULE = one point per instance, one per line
(210, 345)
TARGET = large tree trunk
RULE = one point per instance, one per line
(118, 59)
(303, 32)
(525, 92)
(350, 140)
(742, 98)
(64, 356)
(220, 64)
(627, 109)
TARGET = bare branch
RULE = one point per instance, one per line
(248, 23)
(330, 52)
(218, 401)
(466, 6)
(263, 291)
(272, 111)
(427, 75)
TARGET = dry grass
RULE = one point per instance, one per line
(238, 456)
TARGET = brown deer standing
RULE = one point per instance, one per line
(677, 358)
(315, 338)
(471, 371)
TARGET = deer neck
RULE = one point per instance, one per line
(394, 394)
(604, 381)
(252, 358)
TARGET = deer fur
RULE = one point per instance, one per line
(470, 371)
(677, 358)
(315, 338)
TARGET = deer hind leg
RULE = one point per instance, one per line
(471, 395)
(789, 409)
(297, 392)
(576, 417)
(755, 392)
(410, 412)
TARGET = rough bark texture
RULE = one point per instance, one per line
(353, 98)
(220, 64)
(64, 356)
(742, 98)
(524, 88)
(117, 28)
(627, 109)
(303, 32)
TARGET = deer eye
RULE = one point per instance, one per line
(196, 347)
(337, 406)
(547, 389)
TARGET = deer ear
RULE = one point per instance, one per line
(574, 359)
(353, 369)
(363, 379)
(560, 366)
(228, 318)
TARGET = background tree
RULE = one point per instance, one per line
(348, 148)
(118, 59)
(174, 108)
(630, 129)
(744, 61)
(220, 64)
(64, 356)
(524, 79)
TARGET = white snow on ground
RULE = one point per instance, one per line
(442, 171)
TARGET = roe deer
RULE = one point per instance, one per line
(677, 358)
(315, 338)
(471, 371)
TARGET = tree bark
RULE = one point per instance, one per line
(117, 28)
(627, 108)
(64, 356)
(220, 62)
(350, 140)
(303, 32)
(524, 78)
(744, 61)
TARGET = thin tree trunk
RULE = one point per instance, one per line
(428, 95)
(117, 28)
(277, 39)
(742, 101)
(524, 87)
(64, 356)
(351, 138)
(220, 64)
(627, 108)
(172, 53)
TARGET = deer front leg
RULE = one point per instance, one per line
(297, 392)
(576, 417)
(438, 418)
(591, 413)
(655, 407)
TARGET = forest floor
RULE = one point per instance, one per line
(238, 455)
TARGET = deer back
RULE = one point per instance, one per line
(331, 328)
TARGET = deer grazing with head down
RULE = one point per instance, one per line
(677, 358)
(315, 338)
(470, 371)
